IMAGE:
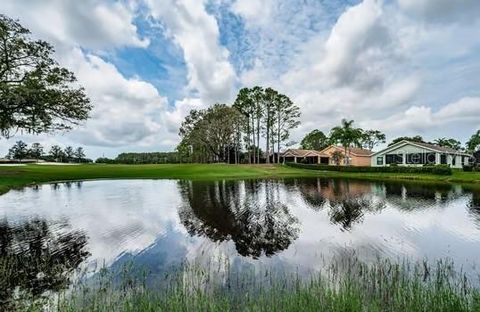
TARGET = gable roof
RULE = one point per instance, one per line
(429, 146)
(360, 151)
(303, 153)
(437, 147)
(355, 151)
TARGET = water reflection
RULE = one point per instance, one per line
(250, 214)
(348, 211)
(346, 201)
(474, 207)
(417, 196)
(37, 256)
(292, 224)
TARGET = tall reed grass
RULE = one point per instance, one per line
(345, 285)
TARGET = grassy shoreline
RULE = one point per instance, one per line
(12, 177)
(345, 285)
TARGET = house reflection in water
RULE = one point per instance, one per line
(345, 200)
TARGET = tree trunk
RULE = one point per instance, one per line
(228, 155)
(253, 140)
(346, 157)
(258, 139)
(278, 145)
(236, 153)
(278, 136)
(267, 151)
(248, 141)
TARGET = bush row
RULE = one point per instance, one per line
(437, 169)
(471, 168)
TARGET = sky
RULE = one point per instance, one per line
(405, 67)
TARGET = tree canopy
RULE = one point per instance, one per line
(315, 140)
(416, 138)
(36, 94)
(211, 133)
(372, 138)
(21, 151)
(258, 115)
(268, 114)
(451, 143)
(18, 151)
(473, 143)
(347, 135)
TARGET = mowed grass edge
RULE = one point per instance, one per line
(20, 176)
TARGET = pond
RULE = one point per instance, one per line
(292, 225)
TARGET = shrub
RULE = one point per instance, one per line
(437, 169)
(468, 168)
(104, 160)
(441, 169)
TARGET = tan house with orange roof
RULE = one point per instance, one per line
(304, 156)
(355, 156)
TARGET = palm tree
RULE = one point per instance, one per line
(337, 157)
(346, 135)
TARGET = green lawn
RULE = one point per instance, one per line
(18, 176)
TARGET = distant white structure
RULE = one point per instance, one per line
(22, 161)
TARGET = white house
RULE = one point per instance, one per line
(408, 153)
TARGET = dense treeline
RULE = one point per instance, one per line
(234, 134)
(143, 158)
(20, 151)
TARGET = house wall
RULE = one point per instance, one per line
(411, 149)
(361, 161)
(354, 160)
(329, 151)
(402, 149)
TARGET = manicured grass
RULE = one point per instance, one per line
(19, 176)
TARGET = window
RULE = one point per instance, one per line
(420, 158)
(380, 161)
(430, 159)
(443, 159)
(393, 159)
(415, 158)
(454, 160)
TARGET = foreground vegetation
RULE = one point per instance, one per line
(345, 285)
(20, 176)
(432, 169)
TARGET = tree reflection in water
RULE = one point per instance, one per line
(36, 258)
(346, 201)
(249, 213)
(474, 206)
(348, 211)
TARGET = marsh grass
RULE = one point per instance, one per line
(345, 285)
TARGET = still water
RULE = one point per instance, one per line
(293, 225)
